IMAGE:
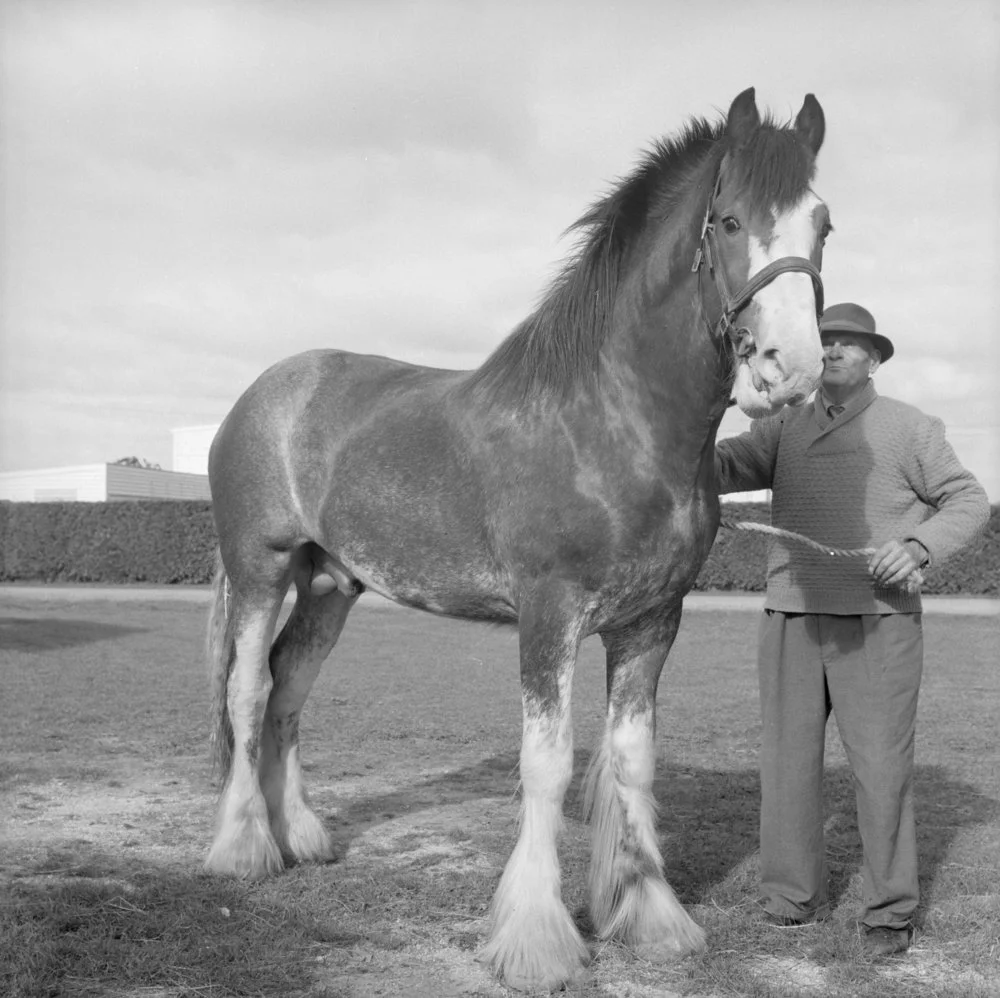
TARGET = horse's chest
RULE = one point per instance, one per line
(645, 570)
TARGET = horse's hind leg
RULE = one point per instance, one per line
(306, 640)
(244, 844)
(629, 898)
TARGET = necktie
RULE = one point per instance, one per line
(835, 411)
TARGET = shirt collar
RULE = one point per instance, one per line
(857, 401)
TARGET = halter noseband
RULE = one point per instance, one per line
(732, 305)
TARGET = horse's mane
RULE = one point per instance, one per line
(560, 342)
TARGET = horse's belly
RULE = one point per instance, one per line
(427, 578)
(427, 550)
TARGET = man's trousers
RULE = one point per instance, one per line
(866, 669)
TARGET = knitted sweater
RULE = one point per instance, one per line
(880, 470)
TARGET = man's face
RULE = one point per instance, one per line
(849, 360)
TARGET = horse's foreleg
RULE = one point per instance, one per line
(533, 942)
(244, 844)
(630, 899)
(306, 640)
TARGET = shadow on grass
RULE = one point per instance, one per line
(32, 634)
(944, 808)
(709, 818)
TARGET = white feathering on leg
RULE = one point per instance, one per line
(296, 827)
(533, 942)
(629, 897)
(307, 639)
(244, 845)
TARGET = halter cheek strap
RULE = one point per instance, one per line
(732, 305)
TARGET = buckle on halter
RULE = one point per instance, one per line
(703, 255)
(709, 262)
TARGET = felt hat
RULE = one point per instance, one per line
(850, 318)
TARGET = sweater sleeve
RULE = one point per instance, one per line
(960, 504)
(745, 463)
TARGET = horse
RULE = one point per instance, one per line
(565, 486)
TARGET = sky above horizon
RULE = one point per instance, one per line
(193, 191)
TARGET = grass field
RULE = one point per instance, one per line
(410, 740)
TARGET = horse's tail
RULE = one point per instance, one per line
(220, 662)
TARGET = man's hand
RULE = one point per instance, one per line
(895, 561)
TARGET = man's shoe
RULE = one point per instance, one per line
(881, 940)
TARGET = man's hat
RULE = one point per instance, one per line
(851, 318)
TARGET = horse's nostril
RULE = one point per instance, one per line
(772, 356)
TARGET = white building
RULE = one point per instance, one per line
(110, 482)
(100, 483)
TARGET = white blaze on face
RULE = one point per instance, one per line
(788, 361)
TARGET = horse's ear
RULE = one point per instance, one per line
(811, 123)
(743, 119)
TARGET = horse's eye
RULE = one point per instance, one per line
(825, 231)
(731, 225)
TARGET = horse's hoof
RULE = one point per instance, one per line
(244, 870)
(667, 950)
(550, 983)
(568, 974)
(540, 968)
(246, 857)
(302, 838)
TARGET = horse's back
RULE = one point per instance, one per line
(307, 406)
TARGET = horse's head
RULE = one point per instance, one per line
(763, 236)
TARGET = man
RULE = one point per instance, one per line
(852, 469)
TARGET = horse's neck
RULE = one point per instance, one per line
(663, 343)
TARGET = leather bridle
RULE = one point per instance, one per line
(708, 254)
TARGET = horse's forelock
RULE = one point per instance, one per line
(773, 169)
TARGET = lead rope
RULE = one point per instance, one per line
(913, 581)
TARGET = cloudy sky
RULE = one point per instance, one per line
(194, 190)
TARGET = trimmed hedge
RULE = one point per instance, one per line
(173, 541)
(166, 541)
(738, 557)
